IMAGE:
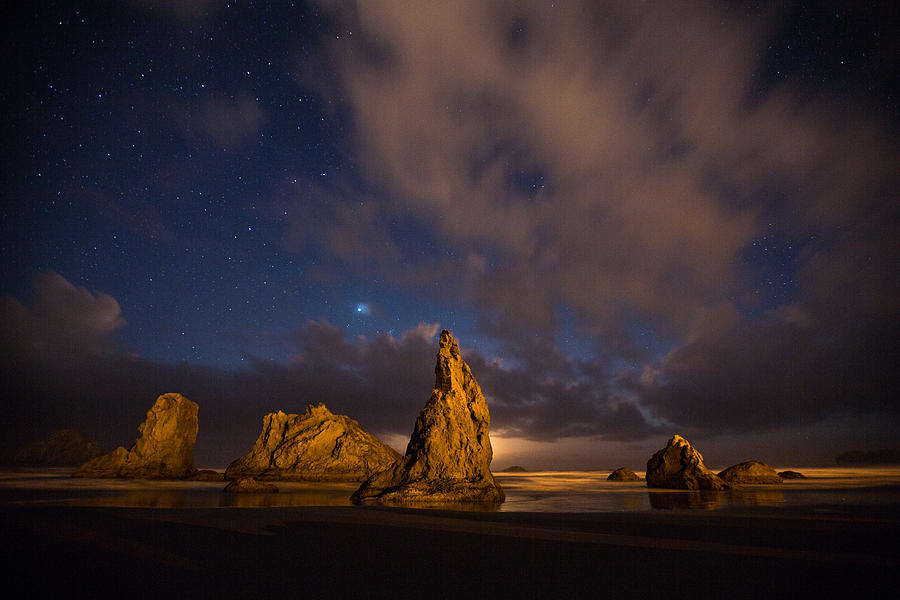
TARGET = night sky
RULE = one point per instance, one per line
(636, 218)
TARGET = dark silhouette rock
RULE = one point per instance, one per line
(791, 475)
(679, 466)
(317, 446)
(449, 454)
(206, 475)
(165, 449)
(514, 469)
(752, 472)
(63, 448)
(250, 485)
(623, 474)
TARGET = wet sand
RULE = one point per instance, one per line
(337, 552)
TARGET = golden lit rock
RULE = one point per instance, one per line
(317, 445)
(751, 472)
(250, 485)
(623, 474)
(449, 454)
(164, 450)
(679, 466)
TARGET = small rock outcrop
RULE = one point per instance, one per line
(315, 446)
(514, 469)
(250, 485)
(449, 455)
(791, 475)
(165, 449)
(752, 472)
(63, 448)
(623, 474)
(679, 466)
(206, 475)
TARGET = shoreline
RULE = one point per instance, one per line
(381, 552)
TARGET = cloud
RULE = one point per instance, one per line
(634, 167)
(228, 123)
(61, 321)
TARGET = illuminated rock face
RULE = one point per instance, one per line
(623, 474)
(165, 449)
(752, 472)
(315, 446)
(679, 466)
(63, 448)
(449, 455)
(250, 485)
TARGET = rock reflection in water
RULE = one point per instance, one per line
(711, 500)
(677, 499)
(454, 506)
(772, 496)
(267, 500)
(152, 498)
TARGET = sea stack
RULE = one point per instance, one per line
(164, 450)
(449, 455)
(623, 474)
(679, 466)
(317, 445)
(752, 472)
(63, 448)
(249, 485)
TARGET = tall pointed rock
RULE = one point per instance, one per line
(448, 458)
(680, 466)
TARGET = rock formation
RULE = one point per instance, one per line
(623, 474)
(753, 472)
(165, 449)
(449, 454)
(514, 469)
(63, 448)
(206, 475)
(679, 466)
(791, 475)
(317, 445)
(248, 484)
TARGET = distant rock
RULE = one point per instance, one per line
(623, 474)
(791, 475)
(250, 485)
(317, 445)
(885, 456)
(165, 449)
(449, 455)
(206, 475)
(679, 466)
(63, 448)
(514, 469)
(751, 472)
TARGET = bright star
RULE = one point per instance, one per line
(362, 309)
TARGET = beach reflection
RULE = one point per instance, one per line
(296, 498)
(574, 491)
(455, 506)
(682, 499)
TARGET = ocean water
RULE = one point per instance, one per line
(552, 491)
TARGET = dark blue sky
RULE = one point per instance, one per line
(635, 220)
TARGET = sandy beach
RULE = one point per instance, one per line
(317, 552)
